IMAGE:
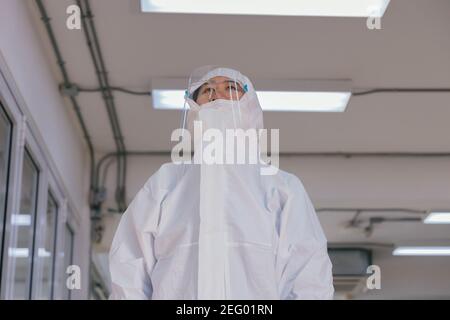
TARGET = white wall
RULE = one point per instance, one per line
(31, 72)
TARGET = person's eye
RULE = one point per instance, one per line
(206, 90)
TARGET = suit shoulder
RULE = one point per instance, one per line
(164, 178)
(285, 179)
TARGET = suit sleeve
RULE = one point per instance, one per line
(303, 265)
(131, 257)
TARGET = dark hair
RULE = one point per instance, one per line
(195, 94)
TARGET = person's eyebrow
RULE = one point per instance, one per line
(227, 81)
(202, 87)
(233, 82)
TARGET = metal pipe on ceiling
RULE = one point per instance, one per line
(102, 77)
(360, 210)
(303, 154)
(354, 93)
(347, 155)
(401, 90)
(120, 89)
(61, 63)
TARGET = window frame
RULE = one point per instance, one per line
(3, 211)
(26, 135)
(14, 180)
(71, 258)
(29, 146)
(41, 239)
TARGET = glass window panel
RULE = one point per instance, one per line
(22, 250)
(45, 257)
(5, 145)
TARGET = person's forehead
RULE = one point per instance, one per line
(219, 79)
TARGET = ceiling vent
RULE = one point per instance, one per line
(349, 270)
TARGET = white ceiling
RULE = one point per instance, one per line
(411, 50)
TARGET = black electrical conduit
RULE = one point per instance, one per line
(354, 93)
(360, 210)
(102, 77)
(128, 91)
(401, 90)
(101, 71)
(356, 222)
(108, 158)
(45, 18)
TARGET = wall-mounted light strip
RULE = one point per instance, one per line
(421, 251)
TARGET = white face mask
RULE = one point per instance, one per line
(219, 114)
(226, 114)
(223, 116)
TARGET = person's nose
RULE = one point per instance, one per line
(220, 94)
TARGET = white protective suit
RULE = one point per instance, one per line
(225, 231)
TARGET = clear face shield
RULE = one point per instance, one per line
(219, 87)
(208, 84)
(221, 98)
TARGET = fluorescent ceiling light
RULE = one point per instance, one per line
(421, 251)
(438, 218)
(304, 101)
(335, 8)
(168, 99)
(269, 100)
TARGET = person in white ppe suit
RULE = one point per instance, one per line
(220, 231)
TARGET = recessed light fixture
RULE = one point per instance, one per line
(168, 99)
(331, 8)
(438, 218)
(303, 101)
(421, 251)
